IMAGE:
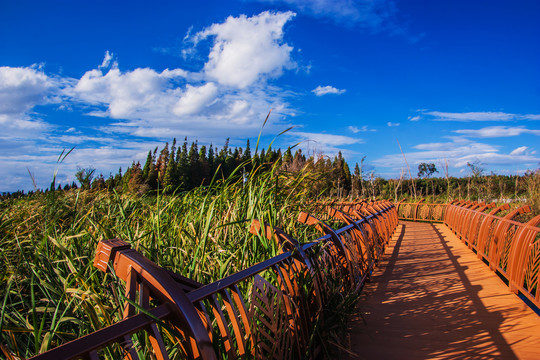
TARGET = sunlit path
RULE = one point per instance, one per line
(433, 298)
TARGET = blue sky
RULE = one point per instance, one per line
(455, 81)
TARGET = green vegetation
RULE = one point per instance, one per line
(49, 291)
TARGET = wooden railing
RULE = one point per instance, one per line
(421, 211)
(266, 311)
(509, 247)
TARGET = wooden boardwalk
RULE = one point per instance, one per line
(432, 298)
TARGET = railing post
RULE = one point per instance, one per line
(127, 262)
(416, 209)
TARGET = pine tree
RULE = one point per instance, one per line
(194, 166)
(183, 167)
(169, 179)
(161, 164)
(204, 166)
(287, 159)
(211, 161)
(152, 177)
(146, 167)
(135, 183)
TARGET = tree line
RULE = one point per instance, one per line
(176, 168)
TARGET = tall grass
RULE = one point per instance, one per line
(49, 291)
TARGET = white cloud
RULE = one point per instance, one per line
(458, 152)
(520, 150)
(195, 98)
(356, 129)
(247, 50)
(479, 116)
(365, 13)
(498, 131)
(107, 59)
(141, 91)
(414, 118)
(231, 95)
(323, 90)
(328, 144)
(323, 138)
(21, 88)
(391, 124)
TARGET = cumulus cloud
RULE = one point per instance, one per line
(478, 116)
(247, 49)
(497, 131)
(231, 94)
(21, 88)
(126, 94)
(324, 90)
(195, 98)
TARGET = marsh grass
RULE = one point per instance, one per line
(49, 291)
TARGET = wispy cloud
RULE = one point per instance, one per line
(355, 129)
(324, 90)
(391, 124)
(478, 116)
(497, 131)
(329, 144)
(459, 151)
(372, 14)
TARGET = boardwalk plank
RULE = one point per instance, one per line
(431, 298)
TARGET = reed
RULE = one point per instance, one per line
(49, 291)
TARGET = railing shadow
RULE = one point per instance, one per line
(424, 304)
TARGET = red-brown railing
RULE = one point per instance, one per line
(265, 311)
(509, 247)
(421, 211)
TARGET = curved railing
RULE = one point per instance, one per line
(421, 211)
(265, 311)
(509, 247)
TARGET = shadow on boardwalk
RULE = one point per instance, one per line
(432, 298)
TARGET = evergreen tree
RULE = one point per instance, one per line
(135, 183)
(147, 164)
(161, 164)
(170, 178)
(152, 177)
(183, 167)
(211, 161)
(204, 166)
(246, 156)
(194, 166)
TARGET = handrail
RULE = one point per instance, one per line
(267, 310)
(509, 247)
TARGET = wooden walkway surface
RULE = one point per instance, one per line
(432, 298)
